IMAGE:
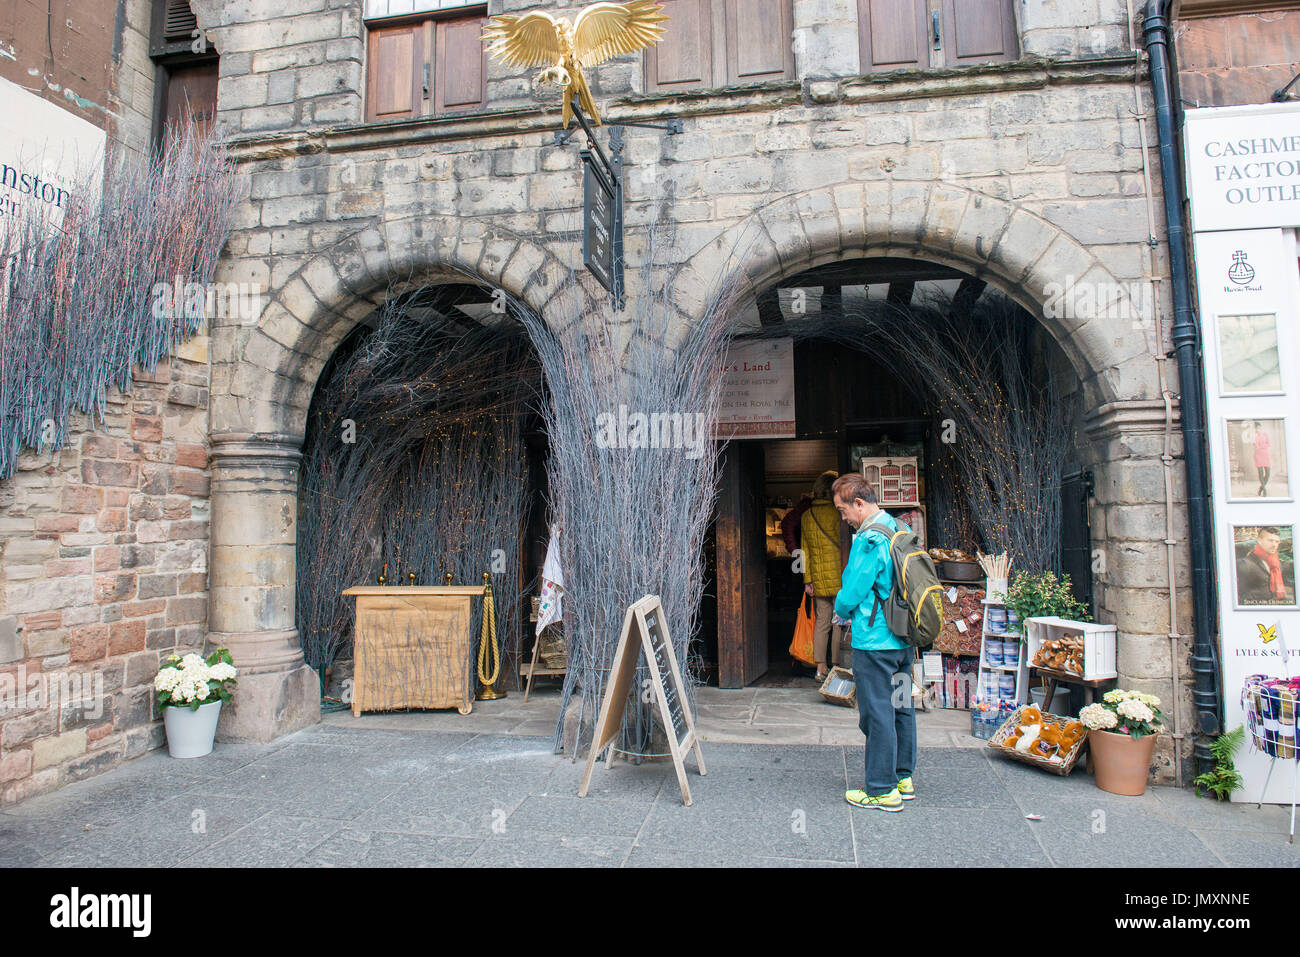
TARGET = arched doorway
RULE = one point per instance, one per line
(858, 394)
(423, 464)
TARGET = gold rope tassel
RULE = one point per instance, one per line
(489, 655)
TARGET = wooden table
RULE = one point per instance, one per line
(1052, 678)
(413, 647)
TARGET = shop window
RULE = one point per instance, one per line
(187, 68)
(713, 43)
(918, 34)
(427, 66)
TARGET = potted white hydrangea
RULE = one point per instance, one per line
(1122, 738)
(190, 691)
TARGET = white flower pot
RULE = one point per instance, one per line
(190, 733)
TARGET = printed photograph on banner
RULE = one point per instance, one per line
(1264, 556)
(1248, 355)
(1257, 466)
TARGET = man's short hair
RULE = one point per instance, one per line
(853, 486)
(822, 487)
(1270, 530)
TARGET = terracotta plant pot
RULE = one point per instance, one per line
(1121, 763)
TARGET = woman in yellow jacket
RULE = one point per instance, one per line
(819, 538)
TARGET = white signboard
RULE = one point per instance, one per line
(757, 391)
(1243, 166)
(1250, 315)
(44, 152)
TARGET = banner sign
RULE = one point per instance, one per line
(1250, 319)
(757, 391)
(44, 152)
(1243, 166)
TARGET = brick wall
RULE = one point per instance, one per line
(103, 568)
(1231, 61)
(92, 59)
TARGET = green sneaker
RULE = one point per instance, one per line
(905, 790)
(892, 801)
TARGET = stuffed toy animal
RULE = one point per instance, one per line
(1028, 735)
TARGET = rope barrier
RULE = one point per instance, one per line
(487, 641)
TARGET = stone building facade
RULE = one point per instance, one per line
(1034, 171)
(103, 544)
(1023, 173)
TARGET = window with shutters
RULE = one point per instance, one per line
(186, 79)
(713, 43)
(426, 66)
(920, 34)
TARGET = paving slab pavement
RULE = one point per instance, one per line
(394, 794)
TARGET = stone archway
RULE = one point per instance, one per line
(940, 222)
(263, 379)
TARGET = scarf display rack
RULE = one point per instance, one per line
(1272, 707)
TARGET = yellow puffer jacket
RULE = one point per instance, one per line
(819, 537)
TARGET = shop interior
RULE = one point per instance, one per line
(849, 407)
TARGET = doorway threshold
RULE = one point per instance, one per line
(755, 715)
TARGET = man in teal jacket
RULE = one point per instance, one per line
(882, 662)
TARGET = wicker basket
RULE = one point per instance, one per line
(553, 653)
(1056, 767)
(832, 688)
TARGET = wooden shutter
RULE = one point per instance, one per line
(395, 77)
(979, 31)
(461, 61)
(894, 34)
(683, 59)
(759, 34)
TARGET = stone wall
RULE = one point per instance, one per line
(103, 569)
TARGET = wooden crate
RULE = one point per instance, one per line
(1099, 644)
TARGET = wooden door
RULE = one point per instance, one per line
(741, 567)
(190, 95)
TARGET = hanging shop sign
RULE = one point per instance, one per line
(645, 629)
(45, 154)
(1243, 166)
(602, 224)
(1250, 319)
(757, 391)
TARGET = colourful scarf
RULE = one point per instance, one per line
(1275, 584)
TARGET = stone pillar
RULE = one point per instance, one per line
(1132, 563)
(251, 604)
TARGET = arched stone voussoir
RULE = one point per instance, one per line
(986, 237)
(311, 312)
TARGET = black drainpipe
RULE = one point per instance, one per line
(1191, 402)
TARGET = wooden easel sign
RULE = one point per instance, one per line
(645, 619)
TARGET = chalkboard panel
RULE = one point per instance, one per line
(672, 692)
(646, 625)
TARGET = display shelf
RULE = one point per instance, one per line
(989, 671)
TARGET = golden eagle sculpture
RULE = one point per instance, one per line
(601, 31)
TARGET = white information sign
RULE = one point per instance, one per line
(1250, 320)
(44, 151)
(1243, 166)
(757, 391)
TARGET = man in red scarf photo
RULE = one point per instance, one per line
(1259, 572)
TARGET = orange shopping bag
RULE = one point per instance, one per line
(801, 648)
